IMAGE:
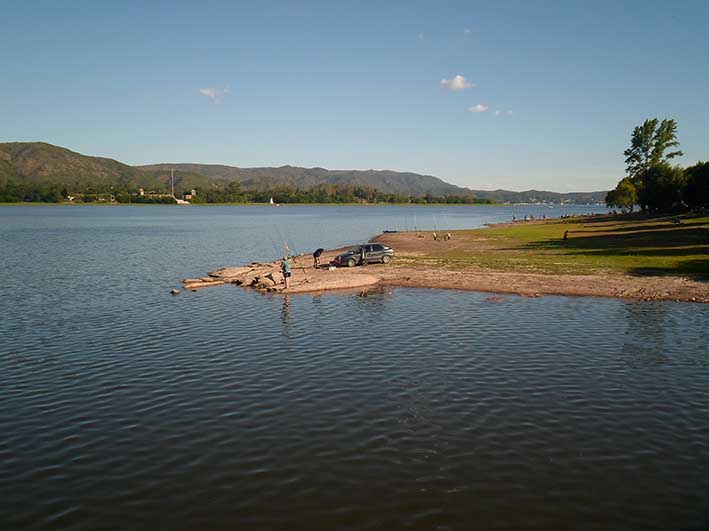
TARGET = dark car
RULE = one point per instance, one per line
(374, 252)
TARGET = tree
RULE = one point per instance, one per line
(625, 195)
(696, 190)
(662, 187)
(648, 145)
(665, 138)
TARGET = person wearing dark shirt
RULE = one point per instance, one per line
(316, 257)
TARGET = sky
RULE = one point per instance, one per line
(484, 94)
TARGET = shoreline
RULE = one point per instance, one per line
(279, 205)
(422, 262)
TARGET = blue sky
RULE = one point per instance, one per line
(359, 84)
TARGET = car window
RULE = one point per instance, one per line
(371, 248)
(377, 248)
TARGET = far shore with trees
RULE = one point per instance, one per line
(652, 182)
(230, 192)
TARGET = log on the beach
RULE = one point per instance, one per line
(199, 285)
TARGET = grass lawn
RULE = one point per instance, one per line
(628, 244)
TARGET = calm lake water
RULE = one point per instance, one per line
(122, 407)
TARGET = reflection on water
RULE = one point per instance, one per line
(285, 311)
(126, 408)
(644, 334)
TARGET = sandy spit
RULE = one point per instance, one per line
(266, 277)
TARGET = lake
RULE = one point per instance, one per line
(126, 408)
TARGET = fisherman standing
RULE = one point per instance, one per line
(364, 255)
(285, 269)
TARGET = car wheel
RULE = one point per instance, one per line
(351, 262)
(386, 259)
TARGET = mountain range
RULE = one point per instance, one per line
(46, 164)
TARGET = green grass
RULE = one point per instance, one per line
(595, 244)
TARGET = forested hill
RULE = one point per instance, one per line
(389, 182)
(41, 164)
(383, 180)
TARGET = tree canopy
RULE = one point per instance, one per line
(648, 145)
(625, 195)
(652, 181)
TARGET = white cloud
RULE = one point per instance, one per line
(456, 83)
(478, 108)
(467, 31)
(497, 113)
(214, 94)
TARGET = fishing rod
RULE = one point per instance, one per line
(288, 250)
(276, 249)
(295, 259)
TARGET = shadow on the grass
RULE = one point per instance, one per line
(658, 240)
(697, 269)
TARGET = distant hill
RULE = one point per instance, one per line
(41, 163)
(390, 182)
(383, 180)
(38, 162)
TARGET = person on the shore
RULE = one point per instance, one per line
(448, 236)
(435, 237)
(285, 269)
(316, 257)
(364, 255)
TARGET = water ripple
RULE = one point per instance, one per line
(123, 408)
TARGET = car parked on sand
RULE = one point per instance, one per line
(373, 252)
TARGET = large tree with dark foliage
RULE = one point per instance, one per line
(696, 189)
(661, 188)
(649, 144)
(658, 185)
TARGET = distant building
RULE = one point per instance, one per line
(192, 194)
(141, 192)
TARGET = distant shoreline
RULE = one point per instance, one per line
(279, 205)
(103, 204)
